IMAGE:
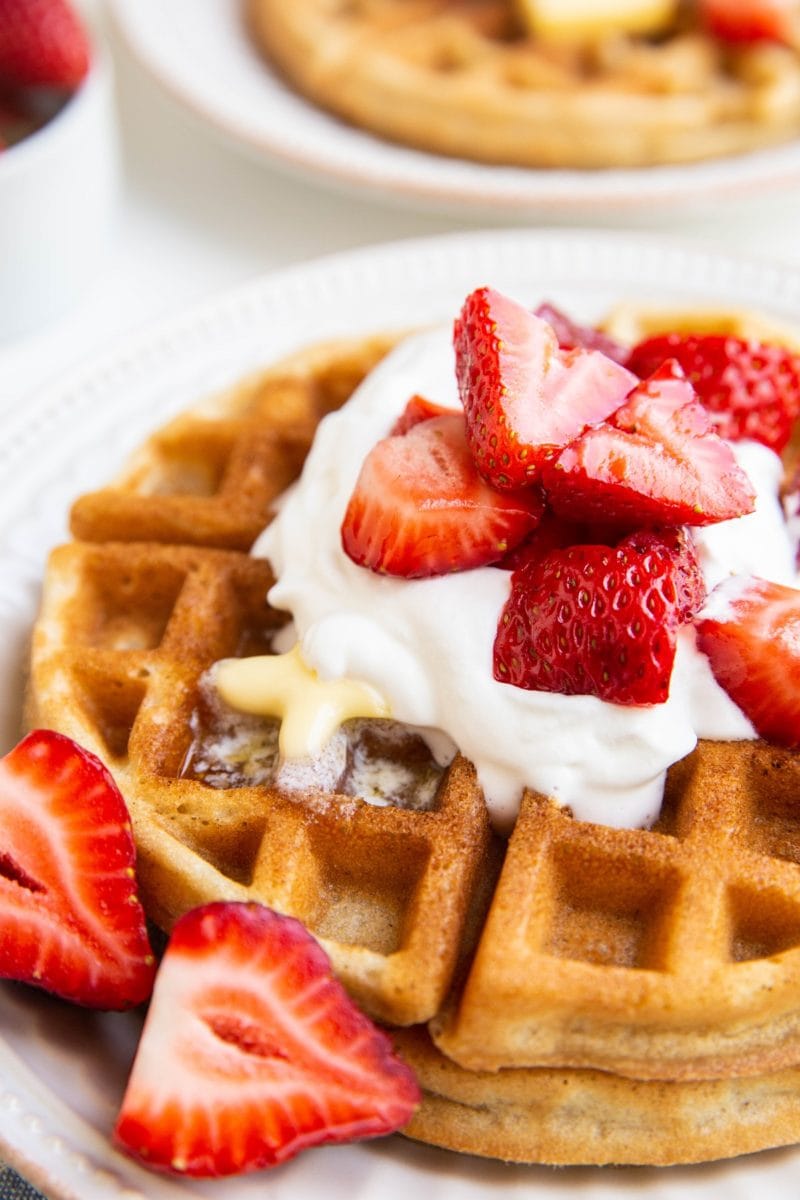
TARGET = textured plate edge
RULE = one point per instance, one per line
(138, 354)
(576, 193)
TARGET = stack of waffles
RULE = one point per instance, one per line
(572, 994)
(474, 79)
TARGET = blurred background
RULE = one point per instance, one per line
(197, 211)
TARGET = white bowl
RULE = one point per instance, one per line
(57, 194)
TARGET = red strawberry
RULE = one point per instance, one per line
(656, 461)
(595, 620)
(751, 635)
(42, 42)
(420, 508)
(751, 390)
(571, 335)
(552, 533)
(690, 586)
(69, 916)
(252, 1051)
(752, 20)
(523, 397)
(417, 409)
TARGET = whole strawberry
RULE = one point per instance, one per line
(751, 390)
(599, 620)
(42, 43)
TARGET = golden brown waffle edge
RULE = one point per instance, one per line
(463, 79)
(679, 979)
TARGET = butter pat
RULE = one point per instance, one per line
(310, 709)
(589, 20)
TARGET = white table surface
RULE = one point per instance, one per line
(196, 215)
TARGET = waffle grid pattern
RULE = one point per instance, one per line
(668, 958)
(464, 78)
(664, 953)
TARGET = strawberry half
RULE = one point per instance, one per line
(252, 1051)
(751, 390)
(595, 620)
(524, 398)
(70, 919)
(42, 42)
(751, 20)
(655, 461)
(420, 508)
(751, 635)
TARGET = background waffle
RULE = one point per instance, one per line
(461, 77)
(670, 957)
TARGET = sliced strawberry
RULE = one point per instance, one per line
(70, 919)
(420, 508)
(252, 1051)
(751, 635)
(595, 620)
(751, 20)
(751, 390)
(42, 42)
(571, 335)
(523, 397)
(416, 410)
(656, 461)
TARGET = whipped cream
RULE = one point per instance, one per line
(426, 644)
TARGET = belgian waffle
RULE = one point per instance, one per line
(578, 994)
(465, 78)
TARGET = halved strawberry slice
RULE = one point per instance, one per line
(656, 461)
(252, 1051)
(751, 633)
(416, 410)
(750, 389)
(524, 398)
(70, 920)
(420, 508)
(596, 620)
(751, 20)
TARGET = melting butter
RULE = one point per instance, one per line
(310, 709)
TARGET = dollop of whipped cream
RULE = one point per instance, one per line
(426, 644)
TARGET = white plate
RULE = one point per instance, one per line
(200, 53)
(62, 1070)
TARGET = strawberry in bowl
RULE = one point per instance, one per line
(45, 56)
(57, 139)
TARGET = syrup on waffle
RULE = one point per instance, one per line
(466, 78)
(668, 957)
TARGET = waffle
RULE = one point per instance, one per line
(592, 1118)
(576, 994)
(464, 78)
